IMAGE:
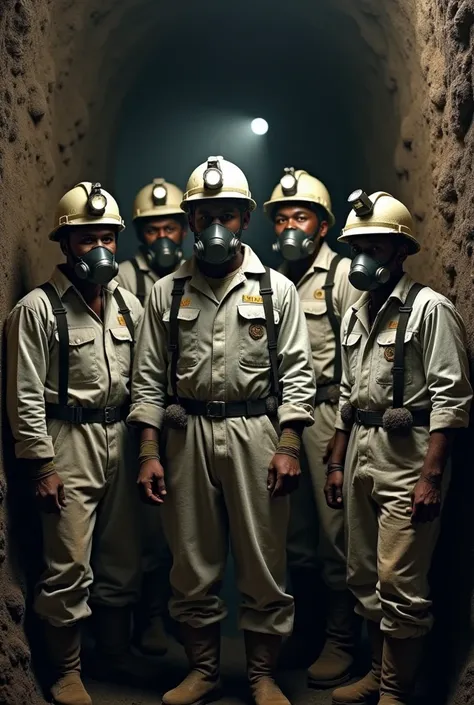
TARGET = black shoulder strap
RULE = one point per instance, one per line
(266, 292)
(173, 341)
(125, 312)
(333, 319)
(141, 288)
(63, 335)
(399, 359)
(352, 322)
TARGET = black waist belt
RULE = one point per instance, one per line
(225, 409)
(82, 414)
(327, 392)
(421, 417)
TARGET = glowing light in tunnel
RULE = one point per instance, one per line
(259, 126)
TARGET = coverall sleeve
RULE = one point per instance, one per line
(296, 371)
(345, 387)
(443, 340)
(149, 379)
(27, 367)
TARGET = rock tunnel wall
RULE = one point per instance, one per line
(65, 67)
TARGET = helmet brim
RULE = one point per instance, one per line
(55, 235)
(159, 212)
(347, 235)
(210, 196)
(269, 206)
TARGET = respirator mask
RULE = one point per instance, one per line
(294, 244)
(164, 254)
(216, 244)
(366, 274)
(97, 266)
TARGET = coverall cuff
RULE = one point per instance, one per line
(40, 448)
(296, 412)
(448, 418)
(146, 414)
(340, 425)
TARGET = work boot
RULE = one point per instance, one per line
(202, 684)
(305, 642)
(400, 664)
(152, 639)
(149, 635)
(64, 648)
(333, 667)
(262, 652)
(365, 690)
(112, 631)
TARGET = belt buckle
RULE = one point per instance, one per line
(215, 409)
(109, 415)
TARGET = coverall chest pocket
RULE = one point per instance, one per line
(351, 344)
(83, 366)
(385, 352)
(253, 342)
(319, 328)
(188, 325)
(123, 342)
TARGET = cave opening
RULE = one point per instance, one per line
(365, 94)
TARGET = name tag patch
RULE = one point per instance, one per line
(121, 320)
(185, 303)
(247, 299)
(393, 325)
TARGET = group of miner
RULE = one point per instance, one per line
(166, 412)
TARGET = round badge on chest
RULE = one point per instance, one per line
(318, 294)
(256, 331)
(389, 353)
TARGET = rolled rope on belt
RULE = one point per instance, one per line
(366, 417)
(83, 414)
(327, 392)
(229, 409)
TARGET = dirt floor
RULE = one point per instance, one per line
(172, 668)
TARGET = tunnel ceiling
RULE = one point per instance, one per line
(400, 71)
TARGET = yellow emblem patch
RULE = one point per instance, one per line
(389, 354)
(393, 325)
(256, 331)
(185, 303)
(247, 299)
(121, 320)
(318, 294)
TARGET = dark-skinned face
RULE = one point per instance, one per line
(386, 249)
(300, 217)
(84, 238)
(159, 228)
(223, 211)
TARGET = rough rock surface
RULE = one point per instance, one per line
(66, 66)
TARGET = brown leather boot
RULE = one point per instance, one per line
(262, 656)
(112, 631)
(202, 684)
(335, 662)
(64, 647)
(400, 665)
(149, 635)
(306, 640)
(365, 690)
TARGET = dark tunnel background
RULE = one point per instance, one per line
(321, 101)
(369, 93)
